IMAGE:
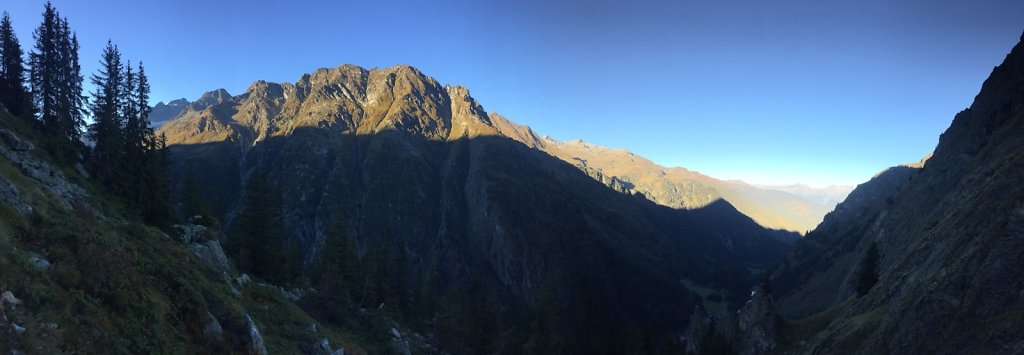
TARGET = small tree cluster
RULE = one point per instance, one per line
(56, 82)
(128, 159)
(13, 93)
(338, 270)
(258, 243)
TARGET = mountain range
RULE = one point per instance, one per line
(424, 169)
(378, 211)
(798, 208)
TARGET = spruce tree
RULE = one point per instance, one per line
(56, 84)
(13, 93)
(106, 108)
(338, 268)
(155, 203)
(195, 204)
(44, 75)
(70, 101)
(258, 240)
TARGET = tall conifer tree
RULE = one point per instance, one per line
(70, 101)
(13, 93)
(44, 77)
(106, 108)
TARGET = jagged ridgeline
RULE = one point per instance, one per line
(460, 229)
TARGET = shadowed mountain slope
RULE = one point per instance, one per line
(924, 258)
(673, 187)
(423, 168)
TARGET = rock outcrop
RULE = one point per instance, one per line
(10, 195)
(255, 345)
(163, 112)
(18, 151)
(753, 329)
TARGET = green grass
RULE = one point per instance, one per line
(120, 286)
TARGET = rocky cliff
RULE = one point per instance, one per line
(924, 258)
(162, 112)
(399, 157)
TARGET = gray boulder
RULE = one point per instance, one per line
(9, 194)
(8, 301)
(38, 261)
(212, 255)
(255, 345)
(14, 142)
(212, 329)
(191, 233)
(399, 345)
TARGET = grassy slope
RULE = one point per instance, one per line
(121, 286)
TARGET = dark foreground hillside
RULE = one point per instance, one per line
(922, 259)
(79, 274)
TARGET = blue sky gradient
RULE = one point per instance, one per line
(813, 91)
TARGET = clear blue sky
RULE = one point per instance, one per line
(813, 91)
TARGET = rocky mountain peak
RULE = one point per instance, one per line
(211, 98)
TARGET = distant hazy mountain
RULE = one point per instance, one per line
(165, 112)
(828, 196)
(681, 188)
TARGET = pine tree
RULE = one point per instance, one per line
(70, 101)
(156, 192)
(338, 268)
(195, 204)
(129, 115)
(258, 240)
(147, 151)
(400, 280)
(379, 276)
(106, 129)
(56, 84)
(13, 93)
(45, 63)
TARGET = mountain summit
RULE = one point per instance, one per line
(423, 170)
